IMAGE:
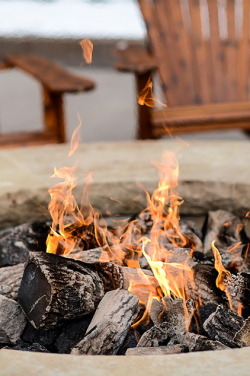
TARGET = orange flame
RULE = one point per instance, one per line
(72, 225)
(222, 272)
(87, 50)
(75, 139)
(163, 211)
(146, 97)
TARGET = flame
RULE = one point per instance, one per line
(170, 276)
(163, 213)
(222, 272)
(146, 97)
(75, 139)
(87, 50)
(144, 286)
(76, 228)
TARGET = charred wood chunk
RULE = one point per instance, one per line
(60, 338)
(225, 228)
(44, 337)
(110, 274)
(162, 350)
(110, 324)
(156, 336)
(181, 256)
(203, 287)
(222, 325)
(10, 279)
(242, 337)
(12, 321)
(238, 288)
(192, 234)
(158, 312)
(23, 346)
(199, 316)
(16, 244)
(71, 334)
(175, 312)
(175, 321)
(101, 254)
(92, 256)
(55, 289)
(196, 342)
(129, 342)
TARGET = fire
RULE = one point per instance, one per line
(161, 245)
(75, 139)
(158, 247)
(222, 272)
(146, 96)
(87, 50)
(70, 228)
(69, 224)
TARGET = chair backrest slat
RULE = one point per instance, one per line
(199, 34)
(201, 48)
(242, 63)
(216, 48)
(231, 51)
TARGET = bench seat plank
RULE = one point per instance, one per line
(49, 74)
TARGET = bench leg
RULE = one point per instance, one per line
(144, 127)
(54, 114)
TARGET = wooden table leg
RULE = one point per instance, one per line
(54, 114)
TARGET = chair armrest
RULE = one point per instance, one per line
(54, 77)
(134, 59)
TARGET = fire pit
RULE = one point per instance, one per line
(200, 191)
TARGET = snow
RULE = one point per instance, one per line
(75, 18)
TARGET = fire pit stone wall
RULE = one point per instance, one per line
(212, 175)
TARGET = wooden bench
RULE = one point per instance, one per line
(55, 81)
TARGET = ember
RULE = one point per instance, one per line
(155, 282)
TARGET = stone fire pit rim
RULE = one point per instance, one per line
(208, 363)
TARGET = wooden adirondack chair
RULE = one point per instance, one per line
(200, 49)
(55, 81)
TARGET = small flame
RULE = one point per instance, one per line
(87, 50)
(144, 286)
(222, 272)
(170, 276)
(75, 139)
(146, 97)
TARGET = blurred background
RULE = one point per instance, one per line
(54, 28)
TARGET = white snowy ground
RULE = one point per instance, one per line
(71, 18)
